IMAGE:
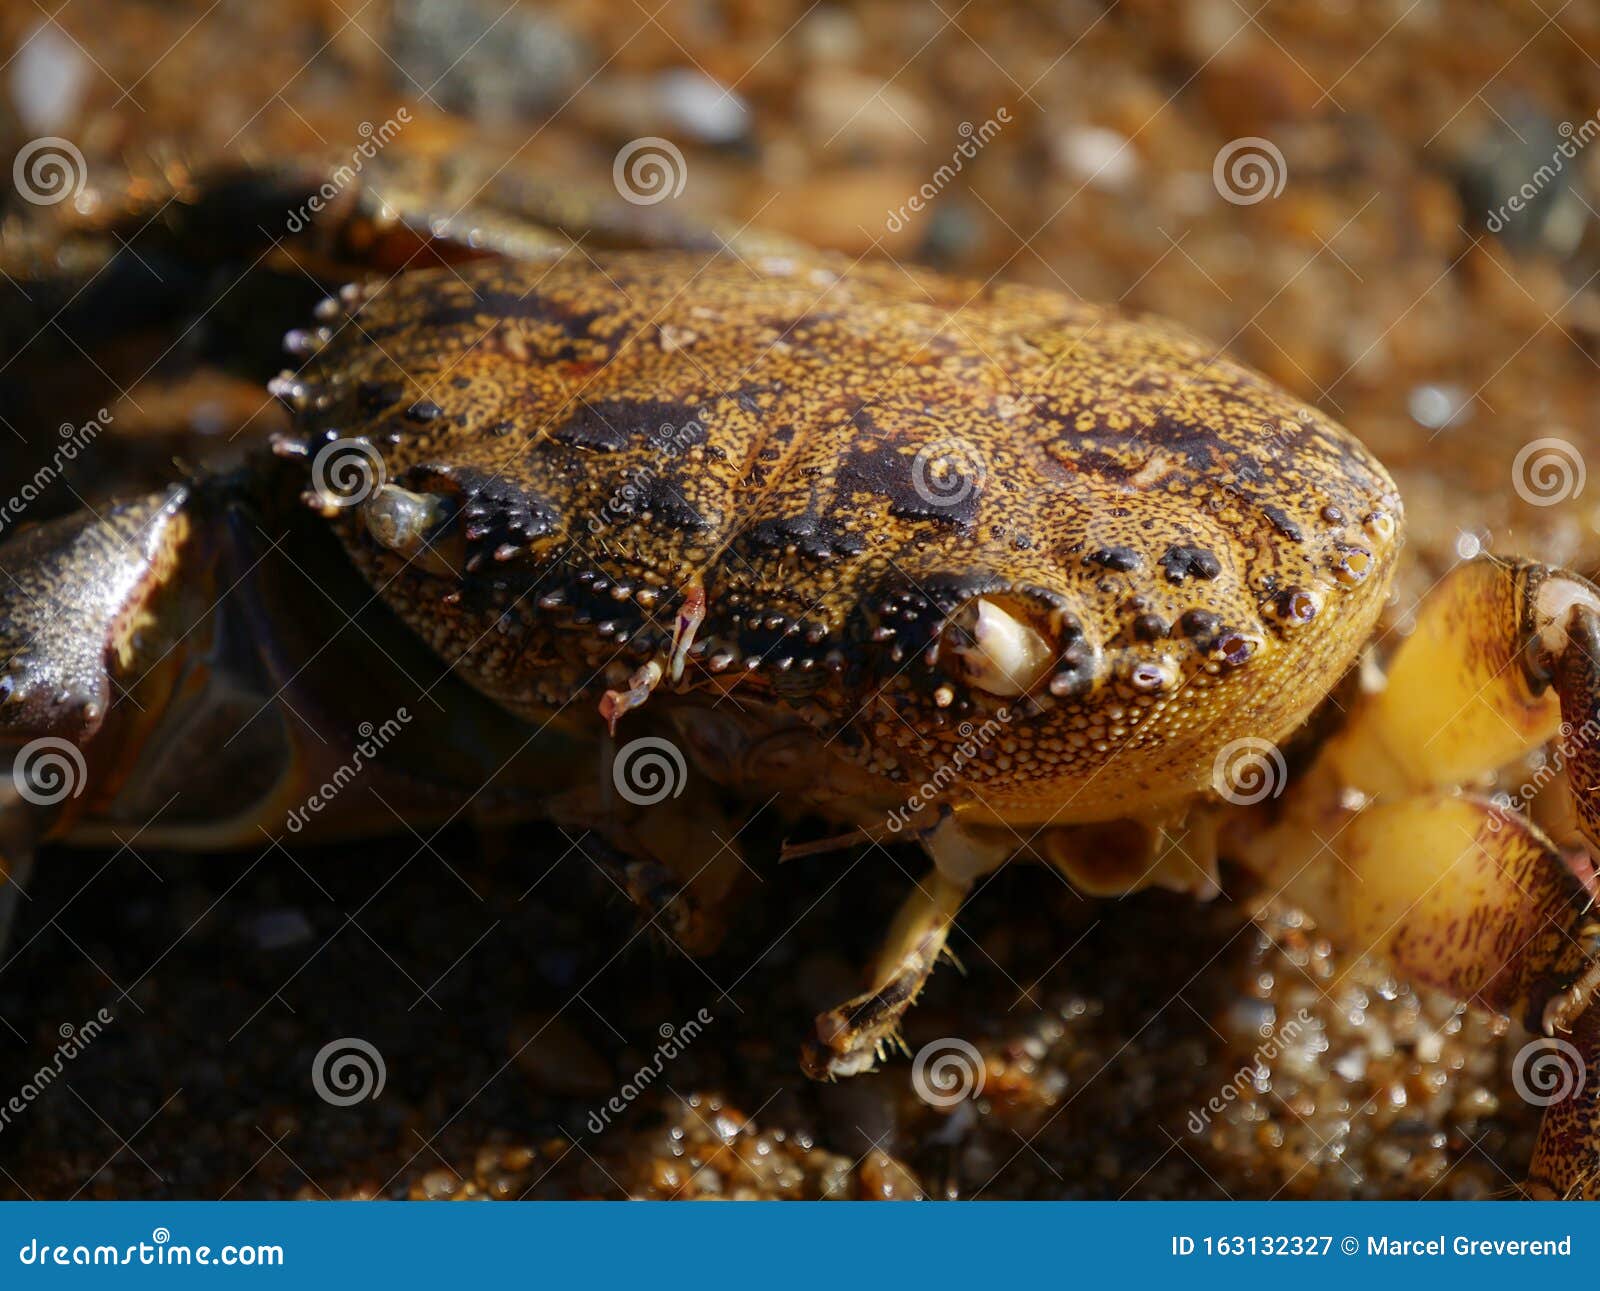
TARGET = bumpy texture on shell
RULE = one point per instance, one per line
(844, 461)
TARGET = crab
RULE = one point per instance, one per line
(645, 540)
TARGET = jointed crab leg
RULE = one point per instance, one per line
(851, 1037)
(75, 604)
(1460, 893)
(169, 671)
(1577, 682)
(1456, 892)
(1469, 690)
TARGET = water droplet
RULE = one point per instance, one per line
(1438, 407)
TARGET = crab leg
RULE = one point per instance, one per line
(1460, 893)
(1466, 897)
(852, 1037)
(676, 909)
(1456, 892)
(1468, 691)
(75, 604)
(171, 669)
(677, 859)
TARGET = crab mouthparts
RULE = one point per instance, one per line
(415, 525)
(996, 652)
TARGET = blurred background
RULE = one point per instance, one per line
(1389, 206)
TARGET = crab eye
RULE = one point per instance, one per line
(996, 652)
(412, 524)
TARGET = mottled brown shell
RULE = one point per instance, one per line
(844, 458)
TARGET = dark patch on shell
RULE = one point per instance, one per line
(375, 396)
(499, 305)
(611, 425)
(663, 500)
(1281, 522)
(493, 511)
(1200, 626)
(1149, 627)
(1122, 559)
(880, 467)
(1078, 666)
(1186, 562)
(807, 535)
(424, 410)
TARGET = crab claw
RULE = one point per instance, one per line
(996, 652)
(413, 525)
(614, 703)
